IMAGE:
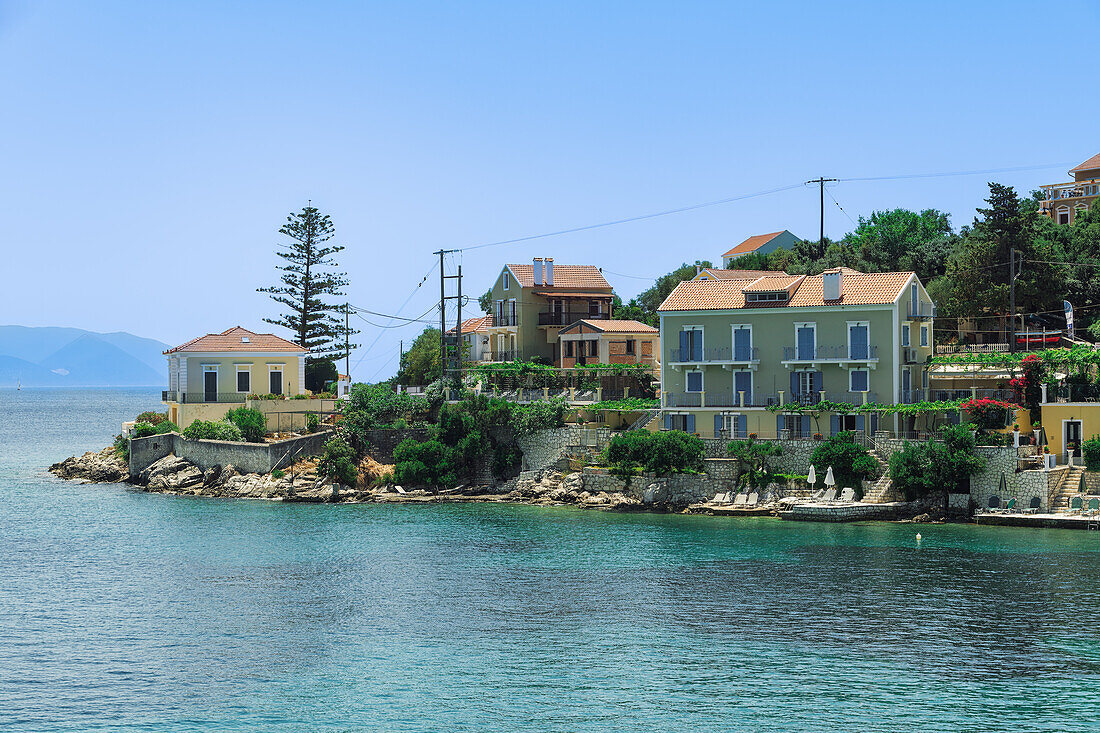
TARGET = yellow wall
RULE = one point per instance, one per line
(258, 365)
(1054, 414)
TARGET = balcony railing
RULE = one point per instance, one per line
(910, 396)
(507, 355)
(506, 320)
(683, 399)
(1074, 393)
(717, 353)
(948, 395)
(923, 311)
(195, 398)
(565, 318)
(830, 353)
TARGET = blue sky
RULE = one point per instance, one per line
(151, 150)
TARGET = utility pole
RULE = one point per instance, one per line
(458, 326)
(821, 181)
(347, 347)
(444, 355)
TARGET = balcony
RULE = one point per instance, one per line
(948, 395)
(196, 398)
(839, 354)
(716, 355)
(922, 312)
(565, 318)
(506, 320)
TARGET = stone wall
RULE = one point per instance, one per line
(382, 442)
(678, 489)
(796, 456)
(546, 448)
(247, 457)
(1023, 485)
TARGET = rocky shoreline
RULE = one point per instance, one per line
(172, 475)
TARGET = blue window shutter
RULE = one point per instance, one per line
(717, 425)
(805, 425)
(668, 422)
(691, 423)
(818, 381)
(794, 385)
(861, 422)
(778, 424)
(834, 424)
(683, 346)
(742, 425)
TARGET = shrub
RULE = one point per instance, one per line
(662, 453)
(752, 460)
(851, 462)
(220, 430)
(301, 397)
(373, 406)
(153, 418)
(122, 447)
(278, 473)
(337, 462)
(167, 426)
(1090, 449)
(988, 414)
(312, 422)
(251, 423)
(143, 430)
(941, 465)
(425, 463)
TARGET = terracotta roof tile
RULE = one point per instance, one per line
(565, 276)
(614, 326)
(476, 325)
(1090, 164)
(773, 283)
(877, 288)
(718, 274)
(233, 339)
(753, 243)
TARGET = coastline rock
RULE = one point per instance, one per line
(103, 466)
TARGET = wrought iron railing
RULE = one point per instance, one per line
(715, 353)
(564, 318)
(830, 353)
(201, 397)
(922, 311)
(506, 355)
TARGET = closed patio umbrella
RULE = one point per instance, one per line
(829, 480)
(811, 479)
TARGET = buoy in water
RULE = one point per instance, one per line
(918, 536)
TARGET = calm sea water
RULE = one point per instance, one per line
(126, 611)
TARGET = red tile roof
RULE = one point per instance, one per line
(613, 326)
(753, 243)
(565, 276)
(1090, 164)
(718, 274)
(233, 339)
(872, 288)
(475, 325)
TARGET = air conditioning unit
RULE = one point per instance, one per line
(909, 355)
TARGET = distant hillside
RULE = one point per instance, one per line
(73, 357)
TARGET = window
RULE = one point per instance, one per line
(795, 423)
(905, 335)
(742, 382)
(691, 343)
(805, 383)
(742, 342)
(913, 295)
(567, 347)
(507, 280)
(630, 346)
(593, 348)
(694, 382)
(594, 307)
(857, 380)
(244, 379)
(859, 341)
(846, 423)
(679, 422)
(924, 335)
(805, 337)
(765, 297)
(513, 321)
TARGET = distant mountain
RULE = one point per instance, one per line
(54, 356)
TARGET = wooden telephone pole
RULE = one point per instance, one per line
(821, 181)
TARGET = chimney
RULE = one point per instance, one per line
(832, 284)
(537, 264)
(550, 271)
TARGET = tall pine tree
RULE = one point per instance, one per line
(309, 278)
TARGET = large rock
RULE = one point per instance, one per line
(104, 466)
(170, 472)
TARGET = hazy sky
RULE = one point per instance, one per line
(150, 151)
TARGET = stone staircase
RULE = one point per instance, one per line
(645, 422)
(883, 489)
(1066, 488)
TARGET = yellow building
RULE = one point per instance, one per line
(207, 375)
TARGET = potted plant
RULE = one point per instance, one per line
(752, 436)
(818, 436)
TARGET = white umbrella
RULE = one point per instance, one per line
(829, 480)
(811, 479)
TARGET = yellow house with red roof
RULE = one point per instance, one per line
(208, 374)
(1064, 201)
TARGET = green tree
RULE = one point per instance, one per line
(421, 363)
(900, 239)
(752, 458)
(308, 279)
(320, 372)
(943, 465)
(850, 460)
(485, 301)
(252, 423)
(337, 462)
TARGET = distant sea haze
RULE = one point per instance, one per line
(72, 357)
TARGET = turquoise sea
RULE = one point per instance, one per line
(127, 611)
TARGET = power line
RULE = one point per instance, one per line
(854, 223)
(1013, 169)
(401, 308)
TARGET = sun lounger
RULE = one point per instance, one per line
(753, 499)
(848, 494)
(1094, 507)
(1009, 506)
(830, 495)
(1075, 504)
(1034, 505)
(723, 498)
(740, 499)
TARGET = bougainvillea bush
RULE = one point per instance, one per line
(988, 414)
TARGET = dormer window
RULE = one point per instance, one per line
(763, 296)
(244, 340)
(506, 280)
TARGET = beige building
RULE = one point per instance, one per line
(475, 338)
(1064, 200)
(207, 375)
(608, 342)
(532, 303)
(731, 348)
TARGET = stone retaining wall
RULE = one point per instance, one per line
(546, 448)
(1023, 485)
(247, 457)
